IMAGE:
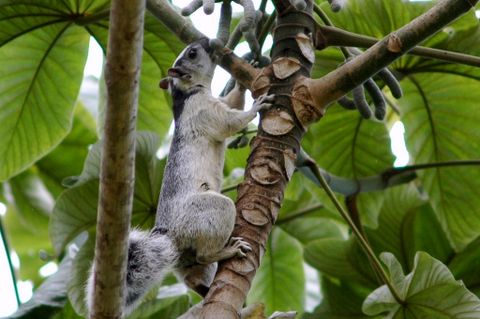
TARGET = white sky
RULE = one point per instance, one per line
(208, 26)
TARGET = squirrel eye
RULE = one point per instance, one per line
(192, 54)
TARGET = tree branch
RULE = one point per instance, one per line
(186, 32)
(319, 93)
(122, 73)
(332, 36)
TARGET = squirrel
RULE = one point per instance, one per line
(194, 221)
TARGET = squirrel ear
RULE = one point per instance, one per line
(164, 83)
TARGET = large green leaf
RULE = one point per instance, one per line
(406, 225)
(346, 145)
(76, 209)
(67, 158)
(40, 76)
(441, 125)
(332, 257)
(429, 291)
(280, 280)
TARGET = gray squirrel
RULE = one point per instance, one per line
(194, 221)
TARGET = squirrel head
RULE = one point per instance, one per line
(193, 68)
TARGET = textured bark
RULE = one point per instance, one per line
(122, 72)
(269, 168)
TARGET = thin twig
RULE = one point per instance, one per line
(299, 213)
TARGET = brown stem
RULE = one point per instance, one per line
(332, 36)
(183, 28)
(122, 74)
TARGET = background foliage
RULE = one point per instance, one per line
(49, 162)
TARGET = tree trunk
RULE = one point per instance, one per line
(124, 55)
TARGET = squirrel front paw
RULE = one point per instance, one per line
(263, 102)
(240, 246)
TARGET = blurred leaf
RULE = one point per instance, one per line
(49, 297)
(28, 210)
(351, 147)
(429, 291)
(165, 308)
(67, 313)
(76, 208)
(67, 158)
(40, 76)
(466, 264)
(280, 280)
(332, 257)
(80, 270)
(308, 229)
(441, 124)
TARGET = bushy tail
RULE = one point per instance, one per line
(150, 256)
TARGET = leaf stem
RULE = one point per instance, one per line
(362, 241)
(9, 260)
(299, 213)
(266, 28)
(333, 36)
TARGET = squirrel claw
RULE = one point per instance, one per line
(241, 246)
(263, 102)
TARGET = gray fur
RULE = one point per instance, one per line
(194, 220)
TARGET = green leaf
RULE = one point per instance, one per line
(441, 124)
(351, 147)
(465, 265)
(67, 158)
(280, 280)
(80, 270)
(40, 76)
(76, 209)
(49, 297)
(165, 308)
(331, 256)
(429, 291)
(377, 18)
(308, 229)
(407, 225)
(28, 210)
